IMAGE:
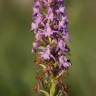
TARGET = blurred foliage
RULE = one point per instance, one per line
(17, 71)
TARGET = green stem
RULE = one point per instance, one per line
(53, 86)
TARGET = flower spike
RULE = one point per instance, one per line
(51, 45)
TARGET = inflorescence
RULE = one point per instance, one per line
(51, 46)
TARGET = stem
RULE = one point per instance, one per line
(53, 86)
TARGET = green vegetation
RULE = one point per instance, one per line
(17, 71)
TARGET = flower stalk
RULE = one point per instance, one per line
(51, 46)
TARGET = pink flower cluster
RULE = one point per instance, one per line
(50, 26)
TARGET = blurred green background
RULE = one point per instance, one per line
(16, 68)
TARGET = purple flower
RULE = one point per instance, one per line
(61, 9)
(61, 45)
(35, 10)
(45, 53)
(63, 62)
(48, 30)
(39, 19)
(34, 26)
(62, 22)
(50, 15)
(35, 46)
(38, 36)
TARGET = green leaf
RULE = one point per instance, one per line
(44, 92)
(43, 66)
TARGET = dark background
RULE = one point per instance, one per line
(16, 68)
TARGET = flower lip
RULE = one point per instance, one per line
(64, 62)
